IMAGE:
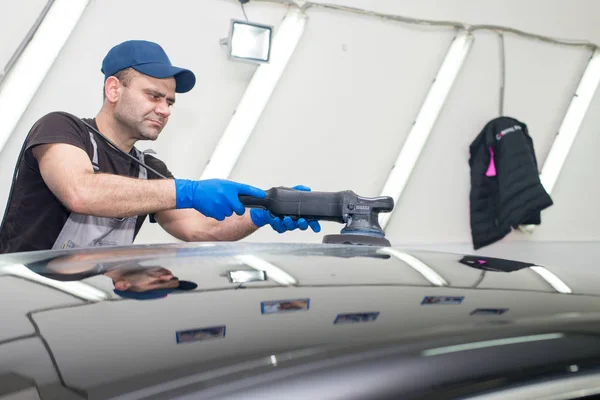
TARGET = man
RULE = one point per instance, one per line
(130, 278)
(72, 188)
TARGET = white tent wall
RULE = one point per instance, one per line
(347, 100)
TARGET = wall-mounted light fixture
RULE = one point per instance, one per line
(249, 41)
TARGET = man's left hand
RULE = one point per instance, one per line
(262, 217)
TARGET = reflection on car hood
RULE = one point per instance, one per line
(68, 325)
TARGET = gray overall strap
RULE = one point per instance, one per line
(88, 230)
(143, 173)
(95, 155)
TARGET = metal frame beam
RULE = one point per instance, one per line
(569, 127)
(571, 123)
(426, 118)
(29, 69)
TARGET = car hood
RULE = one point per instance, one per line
(67, 325)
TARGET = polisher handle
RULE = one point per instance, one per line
(280, 202)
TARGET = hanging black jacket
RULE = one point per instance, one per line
(505, 185)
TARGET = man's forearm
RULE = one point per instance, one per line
(231, 229)
(107, 195)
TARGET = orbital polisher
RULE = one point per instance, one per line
(359, 214)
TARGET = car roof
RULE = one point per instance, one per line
(317, 300)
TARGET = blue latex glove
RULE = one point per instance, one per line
(215, 198)
(262, 217)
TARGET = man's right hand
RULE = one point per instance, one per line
(215, 198)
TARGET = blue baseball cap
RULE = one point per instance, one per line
(157, 293)
(149, 59)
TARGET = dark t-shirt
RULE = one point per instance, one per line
(35, 216)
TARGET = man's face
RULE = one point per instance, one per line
(147, 279)
(143, 107)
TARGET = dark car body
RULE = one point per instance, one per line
(329, 322)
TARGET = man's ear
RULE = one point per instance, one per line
(112, 88)
(122, 285)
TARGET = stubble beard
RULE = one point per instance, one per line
(135, 128)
